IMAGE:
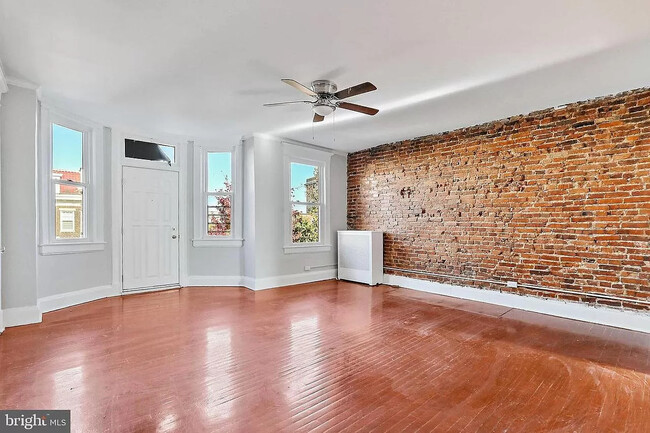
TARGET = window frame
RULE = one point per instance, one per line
(146, 163)
(207, 194)
(321, 159)
(83, 183)
(92, 208)
(200, 218)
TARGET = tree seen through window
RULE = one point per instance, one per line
(305, 203)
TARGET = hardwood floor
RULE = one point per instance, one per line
(330, 356)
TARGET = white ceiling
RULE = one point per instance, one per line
(203, 68)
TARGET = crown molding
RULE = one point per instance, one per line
(281, 139)
(19, 82)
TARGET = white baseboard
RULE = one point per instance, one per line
(260, 283)
(21, 316)
(56, 302)
(248, 282)
(210, 280)
(289, 280)
(33, 314)
(636, 321)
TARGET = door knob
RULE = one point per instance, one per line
(174, 236)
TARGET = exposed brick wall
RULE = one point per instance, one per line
(558, 198)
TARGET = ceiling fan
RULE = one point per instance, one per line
(327, 99)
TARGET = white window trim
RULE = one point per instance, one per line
(200, 219)
(304, 155)
(93, 212)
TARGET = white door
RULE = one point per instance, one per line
(150, 228)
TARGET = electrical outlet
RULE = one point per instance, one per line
(307, 268)
(512, 284)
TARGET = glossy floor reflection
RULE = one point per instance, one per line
(329, 356)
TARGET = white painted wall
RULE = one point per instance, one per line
(34, 283)
(29, 277)
(19, 223)
(270, 259)
(261, 262)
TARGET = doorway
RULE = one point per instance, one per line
(150, 235)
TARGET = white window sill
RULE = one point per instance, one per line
(71, 248)
(300, 249)
(217, 243)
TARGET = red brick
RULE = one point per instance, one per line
(558, 198)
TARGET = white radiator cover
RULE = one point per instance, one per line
(361, 256)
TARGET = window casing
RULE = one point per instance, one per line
(306, 174)
(217, 196)
(71, 199)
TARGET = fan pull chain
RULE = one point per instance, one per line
(334, 126)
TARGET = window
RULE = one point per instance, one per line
(307, 215)
(71, 218)
(305, 203)
(149, 151)
(217, 207)
(219, 193)
(68, 180)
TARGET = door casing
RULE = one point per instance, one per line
(118, 161)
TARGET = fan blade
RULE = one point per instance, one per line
(273, 104)
(318, 118)
(359, 108)
(355, 90)
(297, 85)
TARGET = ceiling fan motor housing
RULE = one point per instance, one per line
(323, 86)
